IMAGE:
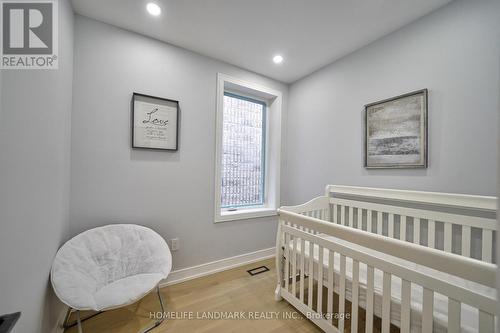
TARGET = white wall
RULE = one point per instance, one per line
(454, 53)
(498, 205)
(171, 192)
(34, 182)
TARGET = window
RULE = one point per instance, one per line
(243, 152)
(248, 150)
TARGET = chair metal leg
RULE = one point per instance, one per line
(79, 322)
(66, 325)
(162, 318)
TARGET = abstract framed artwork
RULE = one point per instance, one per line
(155, 122)
(396, 132)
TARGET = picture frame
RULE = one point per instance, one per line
(396, 133)
(155, 122)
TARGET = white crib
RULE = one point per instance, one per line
(419, 261)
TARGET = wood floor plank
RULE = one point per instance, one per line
(229, 291)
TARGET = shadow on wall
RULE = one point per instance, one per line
(397, 172)
(141, 154)
(53, 312)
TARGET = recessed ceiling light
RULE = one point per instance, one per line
(277, 59)
(153, 9)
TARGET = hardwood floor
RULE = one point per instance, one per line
(230, 291)
(226, 292)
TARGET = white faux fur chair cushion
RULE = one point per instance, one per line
(110, 267)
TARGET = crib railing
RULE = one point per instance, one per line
(297, 228)
(440, 238)
(410, 224)
(370, 217)
(318, 207)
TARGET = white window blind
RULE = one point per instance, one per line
(243, 152)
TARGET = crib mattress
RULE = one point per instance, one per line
(469, 315)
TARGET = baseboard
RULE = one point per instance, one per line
(194, 272)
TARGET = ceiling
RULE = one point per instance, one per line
(248, 33)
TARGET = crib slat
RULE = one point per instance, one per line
(431, 233)
(360, 219)
(453, 316)
(342, 292)
(335, 213)
(310, 262)
(427, 310)
(390, 225)
(369, 300)
(329, 304)
(416, 230)
(402, 228)
(351, 217)
(287, 260)
(386, 303)
(369, 220)
(447, 236)
(379, 223)
(342, 215)
(320, 280)
(405, 305)
(486, 245)
(355, 296)
(302, 267)
(294, 266)
(466, 240)
(486, 322)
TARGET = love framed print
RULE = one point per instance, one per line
(155, 122)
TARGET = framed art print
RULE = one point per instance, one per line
(155, 122)
(396, 132)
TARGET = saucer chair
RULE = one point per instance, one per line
(110, 267)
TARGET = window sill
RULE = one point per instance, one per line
(243, 214)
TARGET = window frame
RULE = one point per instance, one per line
(272, 147)
(263, 150)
